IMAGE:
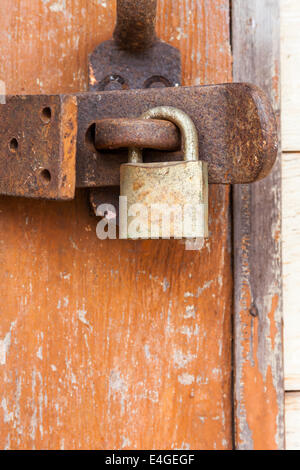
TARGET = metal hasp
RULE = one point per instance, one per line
(49, 145)
(235, 123)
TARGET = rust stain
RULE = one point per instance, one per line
(137, 185)
(93, 79)
(69, 140)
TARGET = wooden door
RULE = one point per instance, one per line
(113, 344)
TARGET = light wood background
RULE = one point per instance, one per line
(290, 72)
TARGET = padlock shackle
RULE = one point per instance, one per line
(189, 134)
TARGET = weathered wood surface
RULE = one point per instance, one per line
(292, 418)
(291, 268)
(110, 344)
(290, 66)
(258, 388)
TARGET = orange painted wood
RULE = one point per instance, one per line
(115, 344)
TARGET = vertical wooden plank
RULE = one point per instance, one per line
(290, 66)
(259, 392)
(291, 268)
(110, 344)
(292, 417)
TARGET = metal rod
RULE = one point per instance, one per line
(135, 27)
(142, 133)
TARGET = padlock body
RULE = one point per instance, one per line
(164, 200)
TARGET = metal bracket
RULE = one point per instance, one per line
(51, 144)
(134, 59)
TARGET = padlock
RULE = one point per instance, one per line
(168, 199)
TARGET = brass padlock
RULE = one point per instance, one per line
(167, 199)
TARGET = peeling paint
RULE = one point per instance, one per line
(8, 416)
(190, 312)
(181, 360)
(82, 313)
(5, 345)
(58, 6)
(4, 348)
(186, 379)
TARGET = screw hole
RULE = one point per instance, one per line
(13, 145)
(157, 81)
(46, 176)
(46, 115)
(113, 82)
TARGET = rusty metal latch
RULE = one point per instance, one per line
(51, 144)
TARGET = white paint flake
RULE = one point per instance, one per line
(116, 383)
(118, 388)
(5, 345)
(181, 360)
(189, 332)
(186, 379)
(40, 353)
(190, 312)
(58, 6)
(200, 290)
(147, 352)
(82, 313)
(66, 276)
(4, 348)
(126, 442)
(166, 284)
(8, 416)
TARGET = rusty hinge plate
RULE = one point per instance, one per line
(38, 136)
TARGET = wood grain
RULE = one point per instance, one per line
(111, 344)
(290, 63)
(292, 417)
(291, 268)
(290, 66)
(259, 391)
